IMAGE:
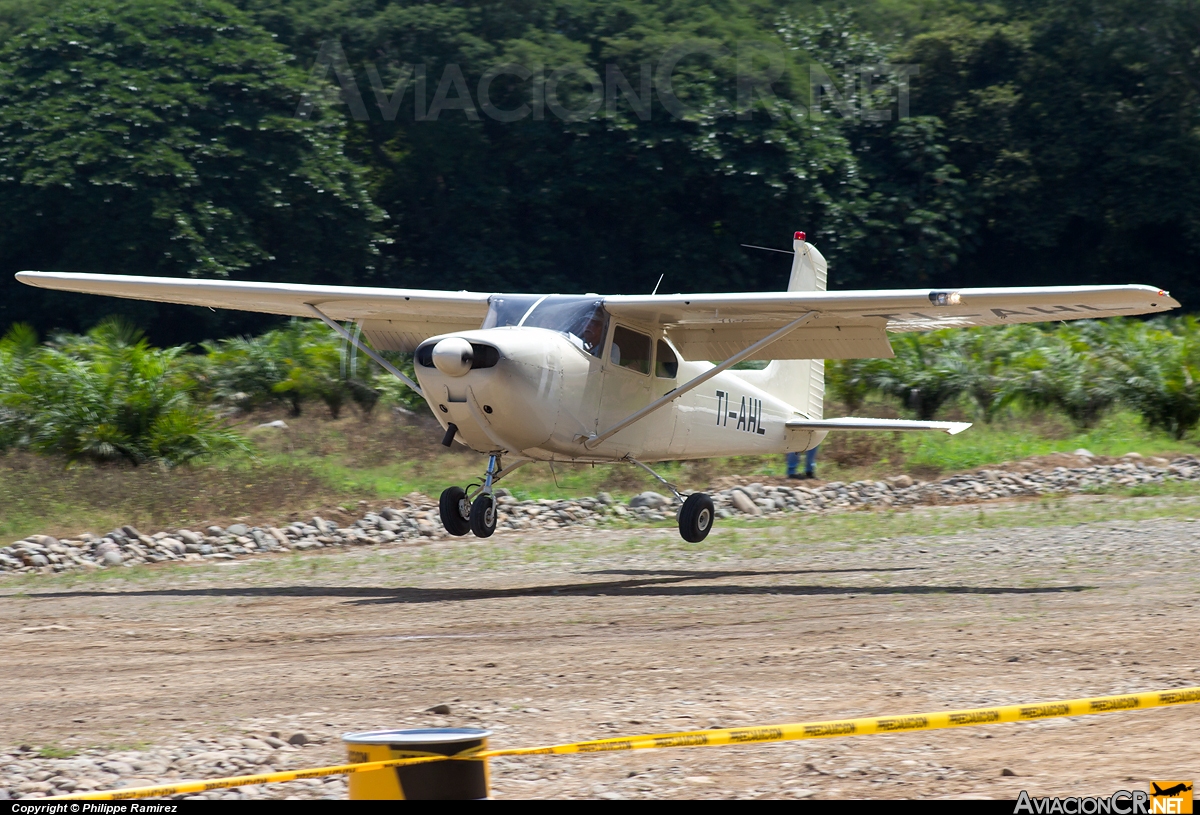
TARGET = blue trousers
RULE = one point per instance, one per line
(810, 462)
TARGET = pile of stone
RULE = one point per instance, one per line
(418, 519)
(25, 773)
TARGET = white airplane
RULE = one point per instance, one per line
(623, 378)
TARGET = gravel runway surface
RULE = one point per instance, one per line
(201, 670)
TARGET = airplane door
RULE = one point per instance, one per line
(626, 385)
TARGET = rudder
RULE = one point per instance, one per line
(799, 382)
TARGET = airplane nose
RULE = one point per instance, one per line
(453, 356)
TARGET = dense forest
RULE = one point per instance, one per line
(935, 142)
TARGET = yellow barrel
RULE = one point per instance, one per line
(436, 781)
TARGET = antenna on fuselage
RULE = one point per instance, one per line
(767, 248)
(656, 285)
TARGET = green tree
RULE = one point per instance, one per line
(109, 396)
(925, 374)
(1076, 125)
(1159, 374)
(1068, 369)
(294, 364)
(146, 137)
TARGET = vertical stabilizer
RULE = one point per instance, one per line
(799, 382)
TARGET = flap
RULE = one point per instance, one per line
(864, 341)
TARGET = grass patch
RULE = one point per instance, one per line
(56, 752)
(319, 466)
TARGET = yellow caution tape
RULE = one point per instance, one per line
(707, 738)
(248, 780)
(868, 726)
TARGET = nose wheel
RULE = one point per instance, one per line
(483, 516)
(460, 514)
(455, 509)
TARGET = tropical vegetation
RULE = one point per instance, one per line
(330, 141)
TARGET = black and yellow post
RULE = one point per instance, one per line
(460, 780)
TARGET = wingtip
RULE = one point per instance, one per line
(957, 427)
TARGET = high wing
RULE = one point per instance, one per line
(854, 324)
(845, 324)
(393, 319)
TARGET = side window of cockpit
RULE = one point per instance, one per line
(630, 350)
(666, 365)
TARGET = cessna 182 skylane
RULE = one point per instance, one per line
(598, 378)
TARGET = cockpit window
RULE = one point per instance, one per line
(630, 349)
(508, 309)
(581, 319)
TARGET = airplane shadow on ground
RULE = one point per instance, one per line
(667, 585)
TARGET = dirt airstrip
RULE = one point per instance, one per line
(588, 634)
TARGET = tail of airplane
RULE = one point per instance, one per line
(799, 382)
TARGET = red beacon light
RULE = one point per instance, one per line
(800, 236)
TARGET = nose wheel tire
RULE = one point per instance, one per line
(696, 517)
(455, 510)
(483, 516)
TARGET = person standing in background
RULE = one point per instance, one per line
(810, 463)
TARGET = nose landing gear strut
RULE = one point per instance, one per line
(475, 512)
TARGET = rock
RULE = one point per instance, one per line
(441, 710)
(298, 739)
(131, 533)
(1156, 461)
(604, 498)
(1084, 453)
(900, 482)
(274, 741)
(255, 744)
(38, 560)
(744, 504)
(188, 536)
(214, 531)
(321, 524)
(1132, 456)
(237, 530)
(278, 424)
(651, 500)
(112, 558)
(1007, 772)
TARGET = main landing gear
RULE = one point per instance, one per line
(464, 512)
(696, 515)
(460, 514)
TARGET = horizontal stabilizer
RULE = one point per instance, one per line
(875, 424)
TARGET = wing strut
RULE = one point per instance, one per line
(591, 441)
(346, 335)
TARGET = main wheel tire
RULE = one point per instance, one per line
(483, 516)
(455, 511)
(696, 517)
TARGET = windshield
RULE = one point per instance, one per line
(580, 318)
